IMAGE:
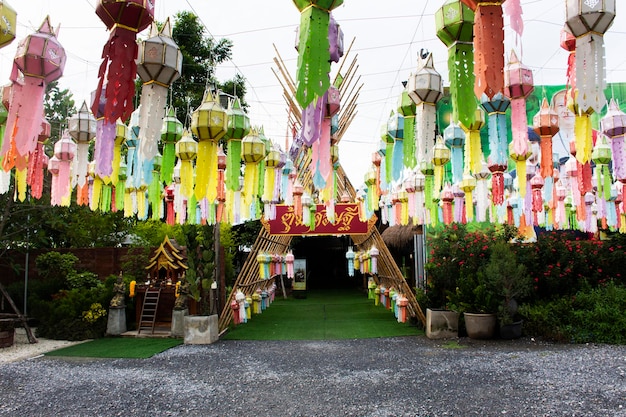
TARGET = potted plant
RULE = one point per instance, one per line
(509, 281)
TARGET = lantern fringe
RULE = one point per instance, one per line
(461, 72)
(583, 136)
(409, 142)
(168, 162)
(397, 159)
(233, 164)
(153, 101)
(104, 147)
(488, 50)
(590, 72)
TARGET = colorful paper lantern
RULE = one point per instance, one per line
(208, 123)
(171, 132)
(8, 26)
(588, 21)
(454, 138)
(252, 153)
(455, 28)
(441, 156)
(124, 18)
(64, 151)
(40, 58)
(82, 127)
(186, 151)
(613, 125)
(498, 157)
(546, 125)
(313, 49)
(425, 88)
(237, 127)
(159, 64)
(488, 47)
(407, 109)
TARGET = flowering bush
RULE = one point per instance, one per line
(563, 266)
(95, 313)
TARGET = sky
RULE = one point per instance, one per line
(386, 38)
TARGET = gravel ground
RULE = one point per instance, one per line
(404, 376)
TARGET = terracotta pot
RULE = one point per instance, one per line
(480, 326)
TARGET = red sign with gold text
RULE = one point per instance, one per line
(347, 222)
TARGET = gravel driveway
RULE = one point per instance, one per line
(404, 376)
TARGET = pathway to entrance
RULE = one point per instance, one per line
(323, 315)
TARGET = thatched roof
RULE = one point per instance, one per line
(400, 237)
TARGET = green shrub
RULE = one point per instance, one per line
(66, 316)
(591, 315)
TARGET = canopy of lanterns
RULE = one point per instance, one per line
(422, 176)
(146, 163)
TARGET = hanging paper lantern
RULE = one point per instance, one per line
(186, 151)
(350, 258)
(171, 132)
(82, 127)
(441, 156)
(406, 108)
(546, 125)
(159, 64)
(518, 81)
(568, 42)
(237, 127)
(481, 192)
(208, 123)
(473, 148)
(601, 156)
(454, 138)
(425, 89)
(8, 20)
(37, 161)
(313, 49)
(498, 158)
(588, 21)
(455, 23)
(40, 58)
(536, 184)
(613, 125)
(64, 151)
(468, 184)
(252, 152)
(395, 130)
(488, 46)
(124, 18)
(271, 181)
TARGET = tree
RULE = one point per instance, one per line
(201, 54)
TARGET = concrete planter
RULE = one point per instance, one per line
(442, 324)
(201, 330)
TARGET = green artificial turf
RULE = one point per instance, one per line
(327, 314)
(118, 347)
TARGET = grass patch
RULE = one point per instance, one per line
(118, 347)
(453, 345)
(322, 315)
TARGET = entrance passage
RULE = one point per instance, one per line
(327, 314)
(325, 261)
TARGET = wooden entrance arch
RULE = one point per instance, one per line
(388, 271)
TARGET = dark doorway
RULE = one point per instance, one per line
(326, 261)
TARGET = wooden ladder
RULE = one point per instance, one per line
(20, 317)
(149, 310)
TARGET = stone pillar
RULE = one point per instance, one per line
(178, 322)
(201, 330)
(116, 324)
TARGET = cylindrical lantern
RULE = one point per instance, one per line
(454, 138)
(546, 125)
